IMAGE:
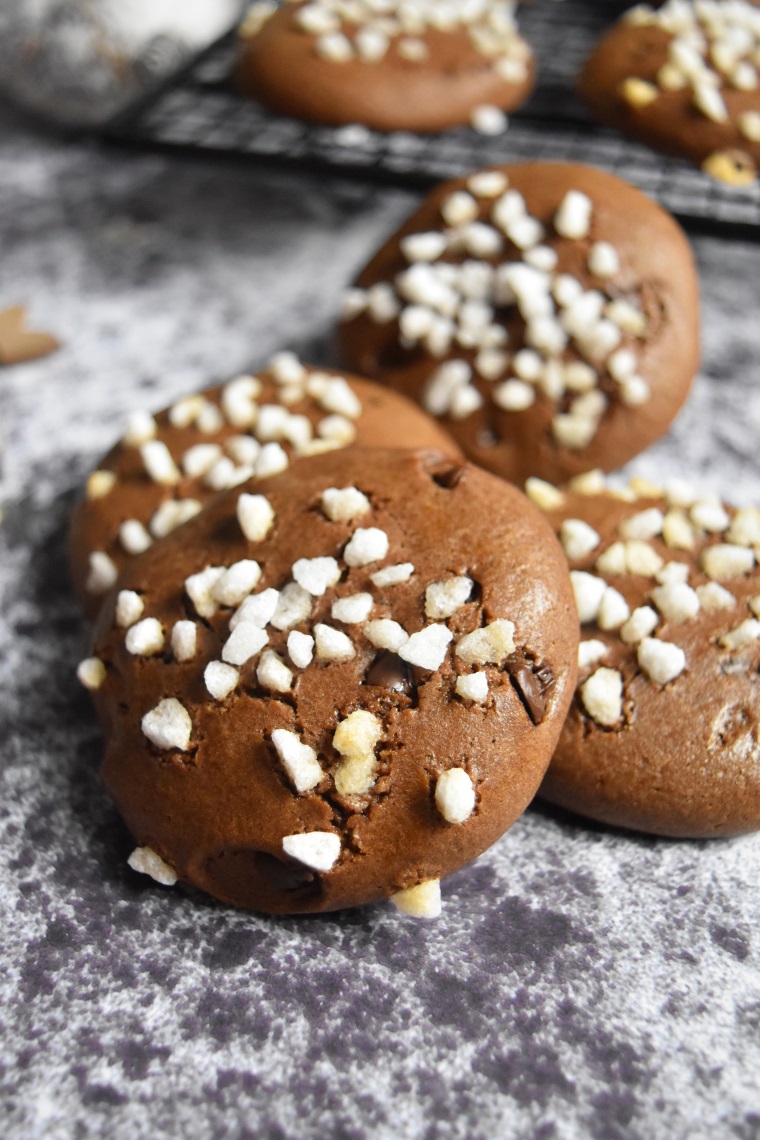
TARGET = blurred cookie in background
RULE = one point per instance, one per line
(168, 466)
(425, 66)
(546, 313)
(685, 79)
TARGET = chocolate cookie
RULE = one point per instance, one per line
(546, 313)
(684, 80)
(664, 731)
(166, 467)
(336, 685)
(395, 66)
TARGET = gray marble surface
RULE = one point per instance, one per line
(581, 982)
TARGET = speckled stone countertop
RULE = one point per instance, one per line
(581, 982)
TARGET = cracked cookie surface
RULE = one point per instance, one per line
(348, 704)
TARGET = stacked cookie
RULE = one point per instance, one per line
(328, 672)
(547, 316)
(333, 659)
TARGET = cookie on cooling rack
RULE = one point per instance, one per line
(685, 79)
(337, 685)
(663, 734)
(395, 66)
(169, 465)
(546, 313)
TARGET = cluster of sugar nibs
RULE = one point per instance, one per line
(685, 522)
(368, 30)
(358, 735)
(267, 430)
(714, 45)
(572, 335)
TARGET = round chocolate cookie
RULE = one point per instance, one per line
(684, 79)
(166, 467)
(664, 731)
(336, 685)
(547, 313)
(424, 67)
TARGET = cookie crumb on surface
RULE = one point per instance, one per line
(422, 901)
(146, 862)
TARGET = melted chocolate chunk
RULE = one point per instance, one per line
(532, 686)
(390, 672)
(448, 475)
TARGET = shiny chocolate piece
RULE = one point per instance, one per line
(388, 671)
(532, 686)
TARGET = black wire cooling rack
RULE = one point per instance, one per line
(202, 111)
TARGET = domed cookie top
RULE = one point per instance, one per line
(664, 731)
(166, 467)
(338, 684)
(547, 313)
(684, 79)
(395, 66)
